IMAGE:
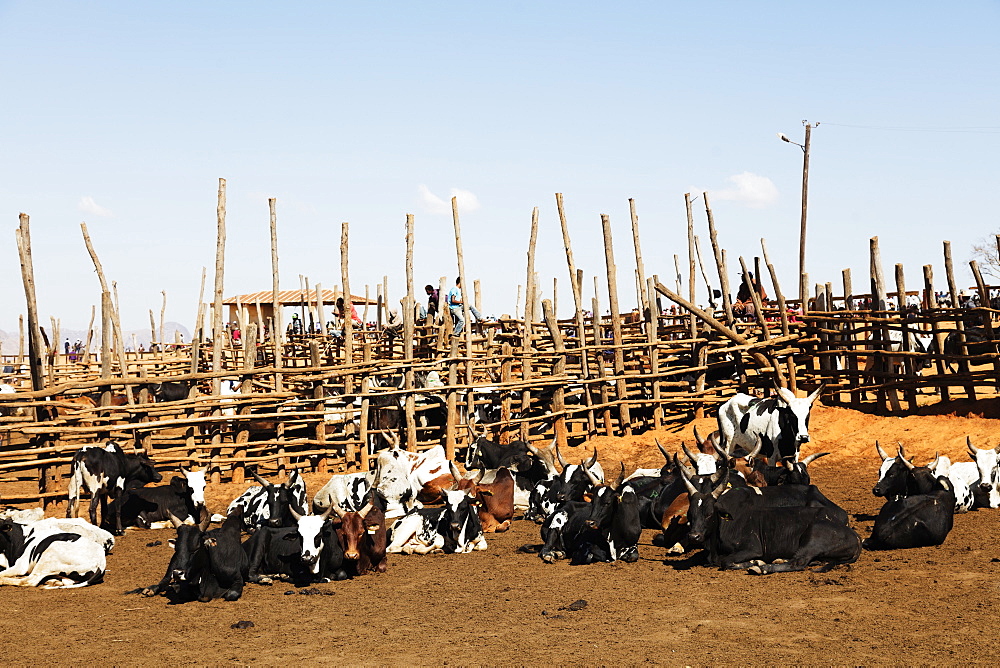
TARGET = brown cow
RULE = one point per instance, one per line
(496, 498)
(362, 535)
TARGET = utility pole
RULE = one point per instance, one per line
(803, 283)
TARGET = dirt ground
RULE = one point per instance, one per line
(929, 605)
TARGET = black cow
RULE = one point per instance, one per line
(919, 511)
(177, 581)
(738, 535)
(276, 551)
(106, 473)
(143, 506)
(789, 472)
(169, 391)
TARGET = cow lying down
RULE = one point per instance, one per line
(453, 527)
(40, 555)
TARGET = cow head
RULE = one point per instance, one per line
(800, 408)
(986, 462)
(139, 468)
(797, 473)
(462, 518)
(310, 529)
(704, 464)
(282, 503)
(196, 483)
(701, 505)
(892, 474)
(355, 525)
(11, 541)
(187, 542)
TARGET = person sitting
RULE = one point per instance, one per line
(455, 303)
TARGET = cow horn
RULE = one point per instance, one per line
(881, 452)
(687, 482)
(174, 520)
(297, 515)
(788, 465)
(723, 456)
(811, 458)
(478, 477)
(682, 467)
(697, 437)
(902, 456)
(455, 473)
(666, 455)
(260, 481)
(363, 513)
(972, 448)
(392, 438)
(593, 460)
(206, 517)
(687, 452)
(756, 450)
(562, 460)
(722, 485)
(326, 513)
(338, 511)
(817, 392)
(593, 478)
(933, 464)
(621, 475)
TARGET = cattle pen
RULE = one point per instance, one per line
(321, 401)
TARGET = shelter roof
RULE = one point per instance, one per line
(292, 298)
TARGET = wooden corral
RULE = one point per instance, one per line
(321, 401)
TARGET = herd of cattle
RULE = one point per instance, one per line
(743, 496)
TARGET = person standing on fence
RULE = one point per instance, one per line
(455, 303)
(432, 303)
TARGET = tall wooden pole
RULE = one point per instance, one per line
(408, 326)
(23, 235)
(220, 258)
(643, 294)
(347, 314)
(277, 327)
(466, 314)
(625, 424)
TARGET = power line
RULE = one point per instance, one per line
(984, 130)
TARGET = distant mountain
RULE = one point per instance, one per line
(9, 341)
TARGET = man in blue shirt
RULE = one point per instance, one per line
(455, 304)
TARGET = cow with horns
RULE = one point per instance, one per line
(919, 508)
(106, 473)
(779, 424)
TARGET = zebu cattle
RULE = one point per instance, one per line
(106, 473)
(965, 479)
(48, 557)
(452, 528)
(919, 510)
(779, 424)
(569, 485)
(271, 504)
(321, 553)
(981, 475)
(220, 566)
(364, 537)
(184, 498)
(77, 525)
(347, 490)
(766, 540)
(495, 497)
(177, 580)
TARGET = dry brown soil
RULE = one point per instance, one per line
(915, 606)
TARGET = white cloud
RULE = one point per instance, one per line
(752, 190)
(88, 205)
(467, 201)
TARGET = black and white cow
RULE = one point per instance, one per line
(184, 498)
(347, 490)
(68, 525)
(48, 557)
(453, 528)
(780, 425)
(270, 504)
(106, 473)
(322, 554)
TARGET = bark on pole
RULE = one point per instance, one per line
(558, 369)
(220, 258)
(577, 288)
(720, 262)
(625, 422)
(277, 326)
(692, 278)
(963, 364)
(347, 314)
(465, 291)
(163, 314)
(803, 284)
(35, 347)
(529, 304)
(115, 323)
(409, 314)
(90, 335)
(643, 295)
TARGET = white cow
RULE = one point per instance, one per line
(454, 527)
(48, 557)
(981, 475)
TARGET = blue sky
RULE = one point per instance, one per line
(124, 115)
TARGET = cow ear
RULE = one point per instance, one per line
(5, 527)
(172, 542)
(588, 497)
